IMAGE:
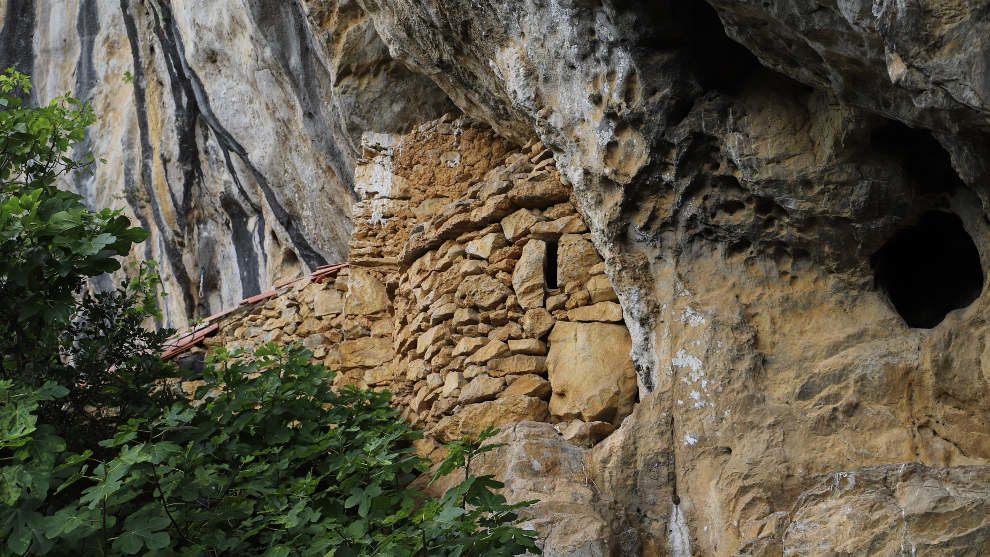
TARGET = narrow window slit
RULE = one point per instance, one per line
(550, 265)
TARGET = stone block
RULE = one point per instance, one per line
(312, 341)
(494, 208)
(472, 267)
(474, 418)
(530, 346)
(513, 252)
(471, 371)
(365, 352)
(442, 358)
(577, 298)
(554, 229)
(417, 369)
(453, 253)
(381, 375)
(493, 349)
(517, 364)
(431, 337)
(600, 289)
(529, 385)
(443, 312)
(424, 399)
(590, 372)
(382, 328)
(483, 247)
(587, 434)
(537, 322)
(559, 210)
(527, 277)
(556, 302)
(602, 311)
(575, 257)
(481, 291)
(464, 316)
(451, 382)
(481, 388)
(468, 345)
(365, 293)
(516, 225)
(538, 194)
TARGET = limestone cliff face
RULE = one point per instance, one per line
(235, 142)
(749, 221)
(789, 197)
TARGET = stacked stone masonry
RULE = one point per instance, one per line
(474, 293)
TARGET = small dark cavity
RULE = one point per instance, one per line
(720, 63)
(929, 269)
(550, 265)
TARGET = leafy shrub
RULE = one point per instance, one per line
(264, 459)
(49, 241)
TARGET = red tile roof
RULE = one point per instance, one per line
(186, 342)
(183, 341)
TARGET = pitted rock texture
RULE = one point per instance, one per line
(236, 141)
(922, 62)
(738, 211)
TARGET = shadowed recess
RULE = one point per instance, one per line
(929, 269)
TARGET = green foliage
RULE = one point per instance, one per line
(49, 241)
(264, 459)
(128, 77)
(107, 333)
(102, 452)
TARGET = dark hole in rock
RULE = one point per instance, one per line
(721, 63)
(929, 269)
(923, 158)
(550, 265)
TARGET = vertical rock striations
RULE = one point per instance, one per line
(235, 141)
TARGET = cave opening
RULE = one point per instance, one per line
(717, 62)
(929, 269)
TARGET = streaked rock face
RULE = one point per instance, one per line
(236, 140)
(750, 200)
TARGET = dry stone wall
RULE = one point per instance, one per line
(474, 292)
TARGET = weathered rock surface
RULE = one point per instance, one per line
(473, 418)
(905, 509)
(739, 212)
(527, 277)
(365, 293)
